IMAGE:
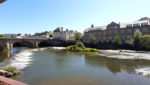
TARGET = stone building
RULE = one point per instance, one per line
(41, 35)
(60, 34)
(107, 34)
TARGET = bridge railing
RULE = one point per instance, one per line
(6, 81)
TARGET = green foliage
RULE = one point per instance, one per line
(92, 38)
(145, 42)
(51, 35)
(78, 36)
(137, 35)
(10, 69)
(90, 50)
(130, 42)
(2, 35)
(91, 53)
(117, 40)
(80, 45)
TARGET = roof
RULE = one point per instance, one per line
(122, 25)
(59, 29)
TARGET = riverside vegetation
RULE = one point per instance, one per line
(79, 47)
(9, 71)
(139, 42)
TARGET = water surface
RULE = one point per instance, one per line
(58, 67)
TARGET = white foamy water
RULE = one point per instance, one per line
(126, 54)
(59, 48)
(39, 49)
(21, 60)
(143, 71)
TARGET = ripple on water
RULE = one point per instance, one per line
(126, 54)
(145, 71)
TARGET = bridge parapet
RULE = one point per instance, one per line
(8, 42)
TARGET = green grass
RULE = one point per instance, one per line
(10, 69)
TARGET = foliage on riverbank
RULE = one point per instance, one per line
(140, 42)
(79, 47)
(9, 71)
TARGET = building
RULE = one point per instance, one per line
(108, 33)
(60, 34)
(42, 35)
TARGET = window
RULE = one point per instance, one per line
(128, 25)
(136, 25)
(144, 24)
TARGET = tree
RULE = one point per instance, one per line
(1, 35)
(145, 42)
(137, 35)
(78, 36)
(51, 35)
(80, 45)
(117, 40)
(92, 38)
(1, 1)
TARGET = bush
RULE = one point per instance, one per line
(137, 35)
(51, 35)
(80, 45)
(90, 50)
(78, 36)
(2, 35)
(117, 40)
(145, 42)
(10, 69)
(130, 42)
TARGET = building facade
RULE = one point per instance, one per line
(41, 35)
(106, 34)
(60, 34)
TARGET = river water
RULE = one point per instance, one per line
(57, 67)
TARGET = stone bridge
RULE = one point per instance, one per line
(30, 42)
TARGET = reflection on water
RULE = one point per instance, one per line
(5, 53)
(117, 65)
(5, 56)
(58, 67)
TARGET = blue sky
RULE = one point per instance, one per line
(30, 16)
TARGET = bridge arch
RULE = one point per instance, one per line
(23, 44)
(44, 44)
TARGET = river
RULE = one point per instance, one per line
(55, 66)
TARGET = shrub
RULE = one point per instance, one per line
(51, 35)
(2, 35)
(10, 69)
(130, 42)
(145, 42)
(137, 35)
(80, 45)
(78, 36)
(117, 40)
(90, 50)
